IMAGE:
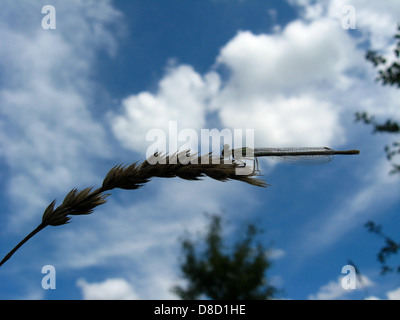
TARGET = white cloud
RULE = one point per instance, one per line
(394, 294)
(47, 131)
(331, 290)
(287, 85)
(181, 97)
(109, 289)
(334, 289)
(376, 21)
(301, 55)
(391, 295)
(372, 298)
(291, 121)
(276, 254)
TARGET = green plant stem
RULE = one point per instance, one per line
(8, 256)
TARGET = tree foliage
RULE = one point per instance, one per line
(217, 274)
(390, 248)
(388, 74)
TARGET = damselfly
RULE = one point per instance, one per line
(302, 156)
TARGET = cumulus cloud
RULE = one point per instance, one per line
(390, 295)
(286, 86)
(181, 97)
(394, 294)
(291, 60)
(334, 289)
(109, 289)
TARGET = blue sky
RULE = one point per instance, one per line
(78, 99)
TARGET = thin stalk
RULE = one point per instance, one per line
(8, 256)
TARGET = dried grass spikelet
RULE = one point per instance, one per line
(133, 177)
(75, 203)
